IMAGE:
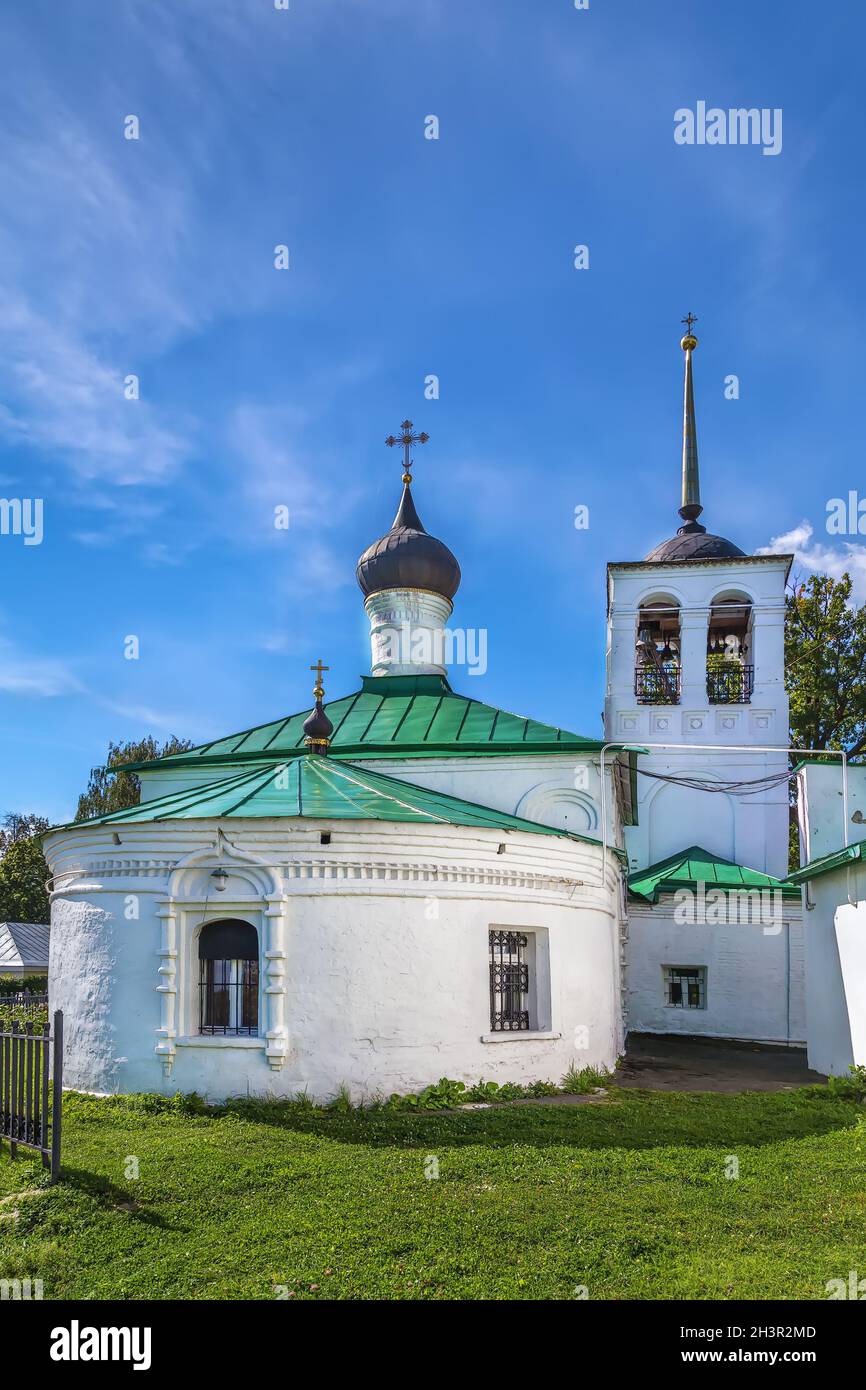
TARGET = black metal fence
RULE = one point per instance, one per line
(30, 1110)
(657, 685)
(730, 685)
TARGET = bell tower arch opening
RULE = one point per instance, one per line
(730, 663)
(658, 669)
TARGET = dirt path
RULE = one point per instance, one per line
(707, 1064)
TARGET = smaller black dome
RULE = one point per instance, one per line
(692, 542)
(408, 558)
(317, 726)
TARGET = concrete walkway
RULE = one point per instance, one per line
(667, 1063)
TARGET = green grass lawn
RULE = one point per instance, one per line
(627, 1197)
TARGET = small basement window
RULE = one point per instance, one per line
(685, 986)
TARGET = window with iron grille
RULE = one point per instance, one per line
(509, 981)
(229, 978)
(685, 986)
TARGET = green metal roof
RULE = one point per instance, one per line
(321, 789)
(392, 717)
(695, 865)
(821, 759)
(828, 862)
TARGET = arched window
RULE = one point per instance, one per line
(730, 668)
(228, 953)
(657, 655)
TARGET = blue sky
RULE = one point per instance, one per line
(408, 257)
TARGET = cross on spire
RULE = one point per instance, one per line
(691, 487)
(318, 689)
(407, 439)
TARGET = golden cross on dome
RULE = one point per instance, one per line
(318, 689)
(407, 439)
(689, 319)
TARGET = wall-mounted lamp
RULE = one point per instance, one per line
(220, 878)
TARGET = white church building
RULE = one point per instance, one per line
(404, 883)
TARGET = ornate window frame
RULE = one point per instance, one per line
(255, 893)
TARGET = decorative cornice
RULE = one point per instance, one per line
(710, 562)
(136, 868)
(339, 871)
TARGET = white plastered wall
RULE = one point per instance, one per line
(755, 974)
(835, 921)
(374, 958)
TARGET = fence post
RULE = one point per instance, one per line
(45, 1063)
(13, 1090)
(57, 1093)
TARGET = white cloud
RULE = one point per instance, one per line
(70, 400)
(37, 677)
(147, 717)
(94, 238)
(278, 469)
(818, 558)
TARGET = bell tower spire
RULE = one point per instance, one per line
(691, 507)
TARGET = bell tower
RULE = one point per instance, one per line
(695, 665)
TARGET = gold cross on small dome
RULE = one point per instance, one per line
(318, 689)
(407, 439)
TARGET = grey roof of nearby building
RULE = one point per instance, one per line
(24, 944)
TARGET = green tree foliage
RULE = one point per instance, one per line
(18, 827)
(23, 870)
(825, 663)
(111, 789)
(825, 669)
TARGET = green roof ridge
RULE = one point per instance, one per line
(699, 864)
(391, 716)
(317, 788)
(827, 862)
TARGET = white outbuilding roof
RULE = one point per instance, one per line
(23, 947)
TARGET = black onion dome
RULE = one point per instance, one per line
(693, 542)
(408, 558)
(317, 725)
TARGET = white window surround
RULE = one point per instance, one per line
(255, 895)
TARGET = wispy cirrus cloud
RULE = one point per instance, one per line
(91, 246)
(68, 400)
(148, 718)
(33, 676)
